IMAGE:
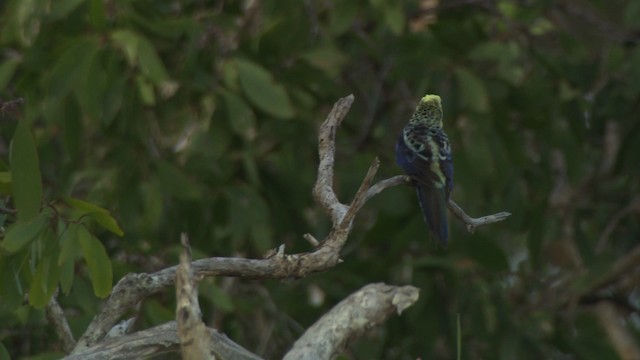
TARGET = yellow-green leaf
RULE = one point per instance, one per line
(22, 233)
(98, 261)
(98, 214)
(45, 279)
(5, 182)
(140, 52)
(241, 117)
(263, 90)
(25, 173)
(150, 63)
(7, 69)
(69, 243)
(128, 42)
(72, 66)
(69, 252)
(175, 182)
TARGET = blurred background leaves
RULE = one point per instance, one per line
(201, 116)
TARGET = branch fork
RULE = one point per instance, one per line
(367, 307)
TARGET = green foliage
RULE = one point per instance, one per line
(202, 117)
(25, 174)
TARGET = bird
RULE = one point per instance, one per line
(424, 153)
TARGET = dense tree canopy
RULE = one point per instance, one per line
(152, 118)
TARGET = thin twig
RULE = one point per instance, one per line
(361, 196)
(4, 210)
(10, 106)
(55, 316)
(473, 223)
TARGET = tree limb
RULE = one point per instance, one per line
(366, 308)
(623, 342)
(158, 340)
(323, 189)
(133, 288)
(194, 339)
(473, 223)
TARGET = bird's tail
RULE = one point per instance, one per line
(433, 202)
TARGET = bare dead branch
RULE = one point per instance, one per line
(132, 288)
(55, 316)
(122, 328)
(191, 330)
(623, 342)
(156, 341)
(381, 185)
(323, 189)
(361, 311)
(473, 223)
(361, 195)
(11, 106)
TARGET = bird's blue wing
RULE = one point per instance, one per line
(433, 183)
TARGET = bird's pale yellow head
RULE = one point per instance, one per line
(429, 111)
(432, 99)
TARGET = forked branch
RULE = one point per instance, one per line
(133, 288)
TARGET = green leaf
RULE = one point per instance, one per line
(72, 123)
(249, 217)
(140, 52)
(4, 353)
(150, 63)
(69, 243)
(45, 279)
(22, 233)
(25, 173)
(67, 275)
(5, 183)
(151, 192)
(108, 222)
(394, 16)
(326, 58)
(474, 94)
(263, 91)
(240, 115)
(72, 67)
(91, 92)
(343, 16)
(220, 299)
(98, 14)
(7, 69)
(11, 287)
(128, 41)
(62, 8)
(69, 252)
(147, 94)
(631, 15)
(98, 214)
(176, 183)
(98, 261)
